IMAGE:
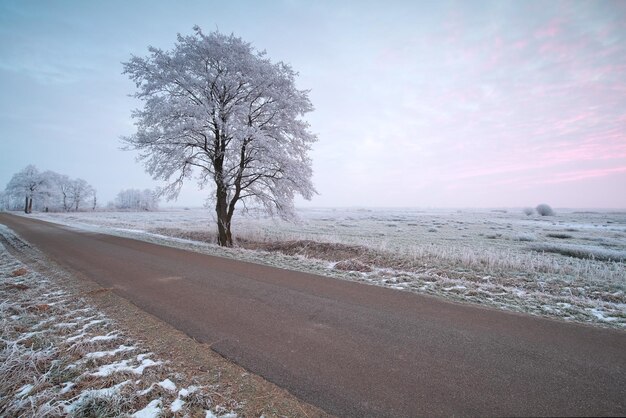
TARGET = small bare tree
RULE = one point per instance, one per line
(216, 107)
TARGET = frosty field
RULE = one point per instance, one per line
(570, 266)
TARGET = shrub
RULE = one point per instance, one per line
(352, 265)
(559, 235)
(525, 237)
(528, 211)
(544, 210)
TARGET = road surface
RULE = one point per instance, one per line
(353, 349)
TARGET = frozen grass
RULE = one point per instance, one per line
(502, 259)
(53, 363)
(582, 251)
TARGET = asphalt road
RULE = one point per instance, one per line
(353, 349)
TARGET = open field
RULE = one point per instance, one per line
(570, 266)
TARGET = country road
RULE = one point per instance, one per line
(349, 348)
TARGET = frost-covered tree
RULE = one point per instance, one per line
(134, 199)
(216, 108)
(28, 185)
(79, 192)
(46, 191)
(61, 185)
(66, 193)
(4, 201)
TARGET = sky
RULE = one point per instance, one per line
(417, 103)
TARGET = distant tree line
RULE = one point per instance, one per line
(134, 199)
(31, 189)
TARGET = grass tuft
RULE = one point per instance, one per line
(352, 265)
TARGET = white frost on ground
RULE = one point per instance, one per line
(24, 390)
(56, 361)
(125, 366)
(167, 384)
(152, 410)
(478, 256)
(120, 349)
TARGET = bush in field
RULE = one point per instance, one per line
(528, 211)
(544, 210)
(352, 265)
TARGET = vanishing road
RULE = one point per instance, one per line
(353, 349)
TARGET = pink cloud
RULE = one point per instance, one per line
(549, 30)
(584, 175)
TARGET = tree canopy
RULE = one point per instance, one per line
(216, 109)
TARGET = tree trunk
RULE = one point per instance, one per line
(30, 205)
(26, 205)
(224, 236)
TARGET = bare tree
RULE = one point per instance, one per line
(215, 107)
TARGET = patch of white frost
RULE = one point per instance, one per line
(600, 315)
(105, 392)
(152, 410)
(107, 337)
(167, 384)
(24, 390)
(187, 391)
(177, 405)
(120, 349)
(124, 366)
(67, 386)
